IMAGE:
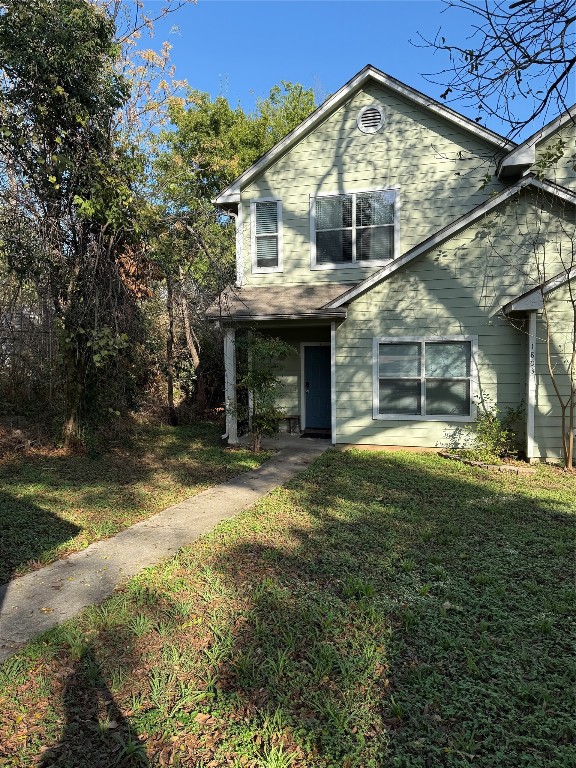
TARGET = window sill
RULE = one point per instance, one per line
(266, 270)
(408, 417)
(352, 265)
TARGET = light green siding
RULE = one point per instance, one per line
(455, 290)
(437, 169)
(563, 170)
(559, 317)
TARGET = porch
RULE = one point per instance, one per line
(306, 394)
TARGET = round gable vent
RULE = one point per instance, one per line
(370, 119)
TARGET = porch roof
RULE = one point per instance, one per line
(278, 302)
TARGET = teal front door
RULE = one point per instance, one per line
(317, 410)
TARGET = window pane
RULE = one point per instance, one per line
(401, 359)
(333, 212)
(266, 218)
(448, 359)
(267, 251)
(401, 397)
(374, 208)
(376, 243)
(334, 247)
(447, 398)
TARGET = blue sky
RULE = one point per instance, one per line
(241, 48)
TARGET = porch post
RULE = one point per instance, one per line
(333, 380)
(230, 385)
(531, 399)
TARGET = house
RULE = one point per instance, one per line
(418, 264)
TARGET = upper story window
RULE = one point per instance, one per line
(266, 235)
(353, 229)
(431, 379)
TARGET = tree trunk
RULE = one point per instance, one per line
(172, 415)
(74, 394)
(194, 350)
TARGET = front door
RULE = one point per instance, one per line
(317, 411)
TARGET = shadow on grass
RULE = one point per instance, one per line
(101, 495)
(27, 532)
(417, 618)
(382, 610)
(96, 734)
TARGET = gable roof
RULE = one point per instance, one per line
(523, 156)
(232, 193)
(450, 230)
(534, 299)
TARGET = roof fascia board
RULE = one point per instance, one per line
(524, 155)
(336, 314)
(452, 229)
(232, 193)
(534, 299)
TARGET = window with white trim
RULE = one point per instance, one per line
(354, 229)
(424, 378)
(266, 236)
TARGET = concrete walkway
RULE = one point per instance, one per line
(32, 604)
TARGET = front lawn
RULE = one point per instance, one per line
(383, 609)
(52, 504)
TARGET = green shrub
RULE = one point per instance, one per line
(495, 432)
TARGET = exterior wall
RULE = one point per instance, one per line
(437, 169)
(455, 290)
(547, 416)
(564, 170)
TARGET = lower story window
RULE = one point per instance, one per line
(424, 378)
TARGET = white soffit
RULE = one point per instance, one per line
(534, 299)
(524, 155)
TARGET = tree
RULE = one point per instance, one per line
(69, 212)
(260, 359)
(208, 145)
(517, 65)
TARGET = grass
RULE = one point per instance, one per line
(381, 610)
(52, 504)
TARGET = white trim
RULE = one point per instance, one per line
(473, 378)
(534, 299)
(232, 192)
(230, 385)
(255, 268)
(444, 234)
(333, 381)
(354, 264)
(250, 391)
(531, 404)
(239, 247)
(303, 380)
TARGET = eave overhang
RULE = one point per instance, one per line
(302, 317)
(533, 300)
(520, 159)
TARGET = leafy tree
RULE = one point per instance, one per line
(69, 212)
(517, 64)
(260, 357)
(208, 145)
